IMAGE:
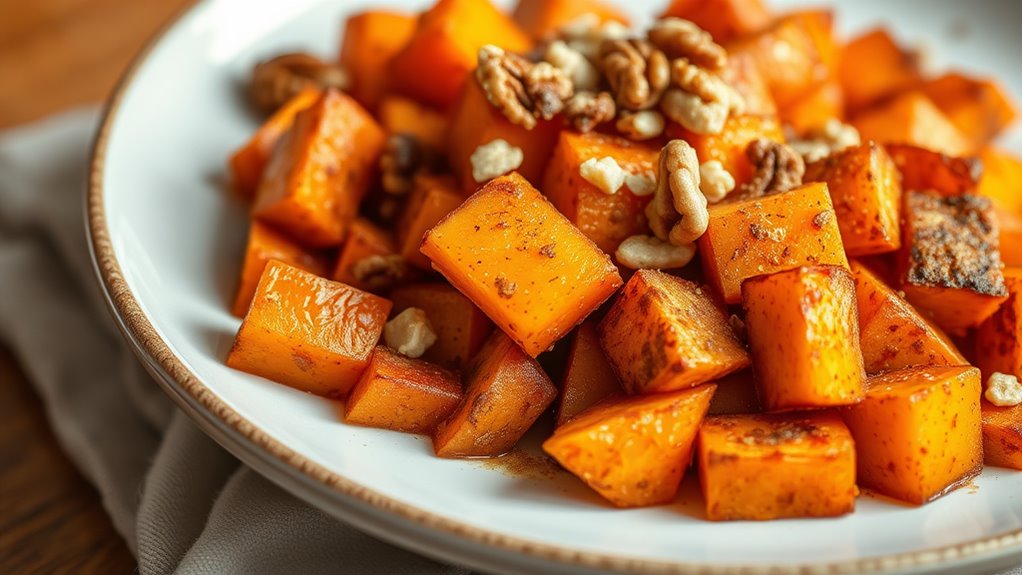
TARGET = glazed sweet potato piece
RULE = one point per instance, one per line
(892, 334)
(248, 162)
(543, 18)
(400, 115)
(664, 333)
(1002, 183)
(770, 234)
(729, 146)
(368, 259)
(505, 391)
(431, 199)
(307, 332)
(873, 67)
(917, 433)
(978, 107)
(320, 171)
(865, 188)
(817, 107)
(911, 118)
(523, 263)
(588, 377)
(926, 170)
(725, 20)
(633, 450)
(1002, 436)
(950, 266)
(736, 394)
(264, 245)
(607, 219)
(803, 327)
(370, 40)
(461, 328)
(741, 73)
(442, 51)
(762, 467)
(999, 337)
(402, 394)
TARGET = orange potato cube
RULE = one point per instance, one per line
(366, 240)
(264, 245)
(370, 40)
(633, 450)
(432, 198)
(729, 146)
(736, 394)
(461, 327)
(873, 67)
(1002, 436)
(1002, 183)
(927, 170)
(400, 115)
(741, 73)
(516, 257)
(248, 162)
(978, 107)
(402, 394)
(865, 188)
(607, 219)
(443, 50)
(911, 118)
(543, 18)
(588, 377)
(892, 334)
(770, 234)
(664, 333)
(762, 467)
(320, 171)
(917, 433)
(505, 392)
(813, 110)
(999, 337)
(949, 263)
(724, 19)
(307, 332)
(803, 327)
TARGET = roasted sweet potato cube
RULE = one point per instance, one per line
(724, 19)
(950, 266)
(505, 392)
(461, 327)
(320, 171)
(1002, 436)
(432, 198)
(873, 67)
(543, 18)
(770, 234)
(1002, 183)
(926, 170)
(264, 245)
(402, 394)
(865, 188)
(664, 333)
(442, 51)
(892, 334)
(633, 450)
(978, 107)
(588, 377)
(812, 111)
(762, 467)
(307, 332)
(999, 337)
(736, 394)
(911, 118)
(607, 219)
(803, 327)
(729, 146)
(917, 433)
(248, 162)
(368, 259)
(741, 73)
(516, 257)
(400, 115)
(370, 40)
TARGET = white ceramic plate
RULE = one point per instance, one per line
(167, 241)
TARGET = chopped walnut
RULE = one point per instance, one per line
(702, 101)
(648, 252)
(641, 125)
(1003, 390)
(277, 80)
(582, 73)
(505, 287)
(678, 211)
(641, 184)
(410, 333)
(404, 156)
(494, 159)
(778, 168)
(585, 34)
(683, 39)
(521, 90)
(378, 272)
(714, 181)
(604, 173)
(833, 137)
(637, 71)
(586, 110)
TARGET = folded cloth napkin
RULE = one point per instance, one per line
(182, 503)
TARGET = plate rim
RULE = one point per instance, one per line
(364, 507)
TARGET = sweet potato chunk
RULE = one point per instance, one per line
(978, 107)
(770, 234)
(366, 240)
(607, 219)
(892, 334)
(729, 146)
(461, 328)
(926, 170)
(588, 377)
(307, 332)
(999, 337)
(505, 391)
(266, 244)
(725, 20)
(803, 327)
(516, 257)
(370, 40)
(320, 171)
(742, 74)
(813, 110)
(950, 266)
(761, 467)
(443, 50)
(736, 394)
(402, 394)
(917, 433)
(1002, 436)
(543, 18)
(912, 118)
(664, 333)
(431, 199)
(873, 67)
(633, 450)
(866, 190)
(1002, 183)
(400, 115)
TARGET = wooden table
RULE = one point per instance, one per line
(55, 54)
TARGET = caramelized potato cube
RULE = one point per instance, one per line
(911, 118)
(761, 467)
(923, 170)
(633, 450)
(1002, 436)
(812, 111)
(999, 337)
(588, 377)
(400, 115)
(917, 434)
(366, 240)
(730, 145)
(770, 234)
(725, 20)
(505, 392)
(402, 394)
(803, 327)
(543, 18)
(266, 244)
(741, 73)
(664, 333)
(873, 67)
(978, 107)
(432, 198)
(307, 332)
(1002, 183)
(461, 327)
(370, 40)
(516, 257)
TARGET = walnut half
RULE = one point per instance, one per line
(638, 72)
(678, 213)
(778, 168)
(277, 80)
(522, 90)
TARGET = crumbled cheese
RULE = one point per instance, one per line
(409, 333)
(834, 137)
(1003, 390)
(494, 159)
(641, 184)
(714, 181)
(604, 173)
(641, 125)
